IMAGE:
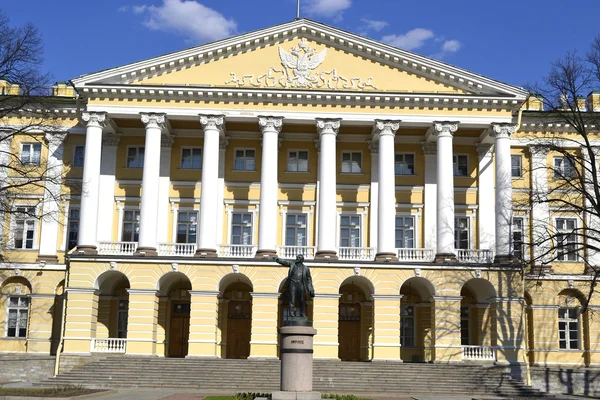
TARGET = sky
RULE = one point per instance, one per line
(514, 41)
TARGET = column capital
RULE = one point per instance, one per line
(55, 138)
(484, 149)
(373, 146)
(502, 130)
(325, 126)
(429, 148)
(268, 123)
(153, 120)
(223, 142)
(167, 140)
(444, 128)
(212, 122)
(538, 150)
(111, 139)
(95, 119)
(385, 127)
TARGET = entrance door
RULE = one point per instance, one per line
(238, 329)
(349, 332)
(180, 329)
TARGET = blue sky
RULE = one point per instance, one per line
(514, 41)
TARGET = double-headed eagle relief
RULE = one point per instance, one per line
(298, 71)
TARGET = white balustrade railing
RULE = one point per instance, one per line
(177, 249)
(293, 251)
(237, 250)
(356, 253)
(425, 255)
(117, 248)
(479, 353)
(109, 345)
(474, 255)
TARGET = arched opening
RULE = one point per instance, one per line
(529, 327)
(284, 308)
(355, 326)
(415, 320)
(175, 287)
(477, 314)
(57, 316)
(573, 333)
(235, 316)
(15, 303)
(113, 305)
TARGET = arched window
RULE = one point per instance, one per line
(569, 320)
(16, 291)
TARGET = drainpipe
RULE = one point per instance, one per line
(61, 340)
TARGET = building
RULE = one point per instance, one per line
(392, 173)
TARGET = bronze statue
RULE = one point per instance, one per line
(298, 283)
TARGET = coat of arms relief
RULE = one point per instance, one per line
(298, 70)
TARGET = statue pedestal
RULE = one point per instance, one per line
(297, 364)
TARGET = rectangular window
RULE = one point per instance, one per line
(122, 316)
(407, 326)
(78, 156)
(24, 228)
(135, 157)
(464, 326)
(187, 224)
(295, 230)
(297, 161)
(405, 232)
(516, 169)
(191, 158)
(566, 239)
(461, 233)
(31, 153)
(131, 226)
(73, 228)
(564, 168)
(405, 164)
(568, 328)
(18, 314)
(350, 231)
(517, 238)
(241, 228)
(244, 160)
(351, 162)
(460, 164)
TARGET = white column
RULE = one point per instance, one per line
(223, 142)
(154, 124)
(207, 240)
(445, 190)
(504, 206)
(374, 193)
(267, 228)
(106, 205)
(88, 211)
(485, 201)
(328, 129)
(164, 188)
(592, 220)
(430, 194)
(52, 192)
(386, 245)
(540, 212)
(6, 159)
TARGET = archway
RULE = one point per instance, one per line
(477, 313)
(113, 305)
(355, 325)
(175, 287)
(415, 320)
(235, 315)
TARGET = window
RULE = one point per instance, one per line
(78, 156)
(350, 231)
(297, 161)
(191, 158)
(460, 165)
(407, 326)
(405, 232)
(31, 153)
(461, 233)
(517, 238)
(568, 328)
(73, 228)
(131, 226)
(122, 316)
(187, 223)
(244, 160)
(18, 312)
(241, 228)
(351, 162)
(24, 228)
(566, 239)
(405, 164)
(563, 168)
(295, 230)
(135, 157)
(464, 326)
(516, 170)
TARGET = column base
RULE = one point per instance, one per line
(86, 249)
(386, 257)
(206, 253)
(326, 255)
(49, 259)
(146, 252)
(265, 253)
(445, 258)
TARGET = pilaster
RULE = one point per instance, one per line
(5, 160)
(326, 310)
(164, 187)
(510, 331)
(80, 321)
(39, 333)
(540, 211)
(430, 195)
(142, 321)
(108, 168)
(263, 336)
(203, 324)
(374, 193)
(386, 328)
(445, 325)
(486, 216)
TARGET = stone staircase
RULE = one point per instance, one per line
(263, 376)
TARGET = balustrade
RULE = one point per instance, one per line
(356, 253)
(411, 254)
(293, 251)
(177, 249)
(237, 250)
(108, 345)
(474, 255)
(479, 353)
(117, 248)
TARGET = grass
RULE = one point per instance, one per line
(57, 391)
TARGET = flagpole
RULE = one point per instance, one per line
(298, 11)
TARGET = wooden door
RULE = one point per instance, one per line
(238, 329)
(349, 332)
(179, 331)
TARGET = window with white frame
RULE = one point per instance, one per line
(517, 237)
(31, 153)
(135, 157)
(187, 225)
(297, 161)
(566, 239)
(464, 326)
(350, 231)
(191, 158)
(73, 228)
(78, 156)
(460, 165)
(404, 164)
(244, 160)
(295, 230)
(568, 327)
(516, 166)
(405, 232)
(131, 226)
(564, 168)
(122, 316)
(24, 228)
(17, 311)
(407, 326)
(352, 162)
(241, 228)
(461, 233)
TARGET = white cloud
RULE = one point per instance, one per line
(373, 25)
(411, 40)
(326, 8)
(138, 9)
(451, 46)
